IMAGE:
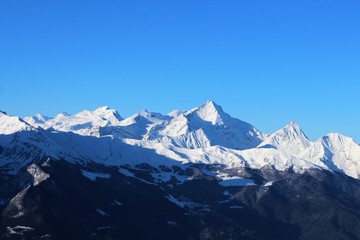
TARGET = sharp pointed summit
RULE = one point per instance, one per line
(212, 104)
(209, 125)
(290, 139)
(211, 112)
(293, 130)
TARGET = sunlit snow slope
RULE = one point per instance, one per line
(205, 134)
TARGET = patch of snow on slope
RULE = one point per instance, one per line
(116, 203)
(102, 213)
(236, 181)
(268, 184)
(234, 207)
(92, 175)
(18, 230)
(184, 203)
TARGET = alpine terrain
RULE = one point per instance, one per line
(196, 174)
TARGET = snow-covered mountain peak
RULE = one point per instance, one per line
(211, 112)
(178, 126)
(211, 104)
(84, 123)
(108, 113)
(139, 125)
(337, 141)
(63, 114)
(102, 108)
(293, 124)
(290, 139)
(146, 114)
(338, 137)
(197, 132)
(294, 129)
(2, 112)
(217, 128)
(36, 119)
(144, 111)
(144, 117)
(175, 113)
(12, 124)
(335, 152)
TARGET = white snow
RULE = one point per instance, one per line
(236, 207)
(205, 134)
(104, 228)
(229, 195)
(210, 112)
(87, 123)
(171, 223)
(93, 175)
(335, 152)
(102, 213)
(167, 176)
(183, 203)
(117, 203)
(268, 184)
(209, 125)
(11, 124)
(290, 140)
(236, 181)
(18, 230)
(126, 172)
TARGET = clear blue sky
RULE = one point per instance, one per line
(265, 62)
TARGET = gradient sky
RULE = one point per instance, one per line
(265, 62)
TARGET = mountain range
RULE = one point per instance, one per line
(196, 174)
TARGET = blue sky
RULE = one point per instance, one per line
(265, 62)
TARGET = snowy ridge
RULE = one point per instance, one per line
(85, 123)
(210, 125)
(335, 152)
(205, 134)
(290, 139)
(11, 124)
